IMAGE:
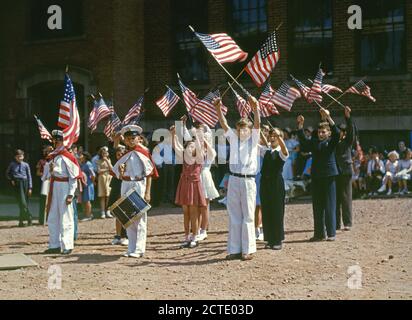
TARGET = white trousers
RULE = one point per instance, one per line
(241, 203)
(137, 232)
(61, 218)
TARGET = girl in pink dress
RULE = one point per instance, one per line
(189, 193)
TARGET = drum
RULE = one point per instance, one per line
(129, 208)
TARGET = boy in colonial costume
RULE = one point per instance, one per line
(136, 169)
(63, 171)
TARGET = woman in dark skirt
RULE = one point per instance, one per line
(272, 190)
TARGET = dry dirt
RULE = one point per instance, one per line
(380, 244)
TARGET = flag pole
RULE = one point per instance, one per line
(67, 68)
(224, 69)
(330, 96)
(243, 70)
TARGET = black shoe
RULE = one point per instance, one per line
(21, 224)
(277, 247)
(66, 252)
(234, 256)
(316, 239)
(52, 251)
(30, 223)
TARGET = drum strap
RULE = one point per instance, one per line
(50, 196)
(127, 178)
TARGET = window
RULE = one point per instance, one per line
(310, 36)
(382, 38)
(72, 19)
(191, 56)
(249, 24)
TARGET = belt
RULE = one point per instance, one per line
(243, 175)
(57, 179)
(127, 178)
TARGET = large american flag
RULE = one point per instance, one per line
(113, 125)
(327, 88)
(201, 110)
(316, 89)
(222, 47)
(285, 96)
(168, 101)
(71, 131)
(362, 89)
(44, 133)
(242, 105)
(99, 112)
(266, 104)
(264, 61)
(134, 111)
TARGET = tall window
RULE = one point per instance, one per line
(310, 36)
(382, 38)
(190, 55)
(72, 19)
(249, 23)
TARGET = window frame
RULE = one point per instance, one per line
(291, 39)
(358, 48)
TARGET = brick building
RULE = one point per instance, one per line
(121, 47)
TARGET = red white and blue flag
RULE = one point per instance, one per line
(44, 133)
(71, 129)
(99, 112)
(223, 48)
(242, 105)
(113, 125)
(315, 93)
(264, 61)
(327, 88)
(362, 89)
(285, 96)
(266, 105)
(134, 111)
(167, 102)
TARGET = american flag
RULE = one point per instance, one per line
(168, 101)
(316, 90)
(113, 125)
(71, 131)
(285, 96)
(362, 89)
(266, 104)
(242, 105)
(222, 47)
(264, 61)
(303, 88)
(99, 112)
(202, 111)
(327, 88)
(134, 111)
(44, 133)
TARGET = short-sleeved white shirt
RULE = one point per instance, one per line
(243, 154)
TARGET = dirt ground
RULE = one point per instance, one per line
(379, 245)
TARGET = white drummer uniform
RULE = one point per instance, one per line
(134, 171)
(63, 182)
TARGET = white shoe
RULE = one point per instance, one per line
(135, 255)
(192, 243)
(185, 243)
(116, 241)
(86, 219)
(382, 189)
(126, 254)
(108, 214)
(202, 235)
(124, 242)
(261, 236)
(389, 192)
(103, 215)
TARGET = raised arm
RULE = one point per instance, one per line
(256, 114)
(282, 145)
(222, 119)
(325, 114)
(304, 142)
(177, 146)
(350, 138)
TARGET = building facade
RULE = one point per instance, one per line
(122, 47)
